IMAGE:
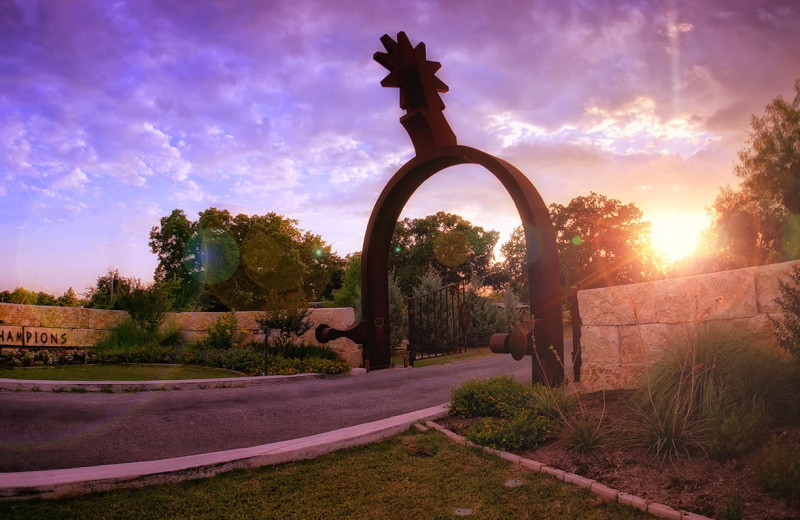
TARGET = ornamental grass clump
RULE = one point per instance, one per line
(714, 393)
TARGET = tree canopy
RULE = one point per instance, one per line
(592, 232)
(758, 222)
(445, 243)
(225, 262)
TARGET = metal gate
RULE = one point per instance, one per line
(438, 323)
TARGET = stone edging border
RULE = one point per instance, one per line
(35, 385)
(57, 483)
(604, 492)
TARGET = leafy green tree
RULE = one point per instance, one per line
(595, 231)
(110, 289)
(745, 231)
(68, 299)
(787, 329)
(225, 262)
(759, 222)
(514, 262)
(446, 243)
(349, 294)
(147, 305)
(770, 164)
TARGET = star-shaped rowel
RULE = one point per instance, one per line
(411, 72)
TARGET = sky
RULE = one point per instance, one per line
(115, 112)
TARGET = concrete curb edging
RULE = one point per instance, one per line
(36, 385)
(72, 481)
(604, 492)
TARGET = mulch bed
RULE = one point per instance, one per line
(697, 484)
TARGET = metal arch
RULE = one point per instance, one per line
(543, 273)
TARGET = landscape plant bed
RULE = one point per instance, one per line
(697, 484)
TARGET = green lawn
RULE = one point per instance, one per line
(116, 372)
(471, 353)
(414, 475)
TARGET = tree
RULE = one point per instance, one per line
(109, 290)
(226, 262)
(770, 165)
(592, 232)
(68, 299)
(444, 242)
(514, 263)
(349, 294)
(758, 223)
(745, 231)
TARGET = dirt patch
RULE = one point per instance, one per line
(697, 484)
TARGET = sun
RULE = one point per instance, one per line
(675, 235)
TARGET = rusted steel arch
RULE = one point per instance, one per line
(543, 273)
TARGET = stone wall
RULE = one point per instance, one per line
(71, 327)
(625, 328)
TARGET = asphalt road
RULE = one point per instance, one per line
(44, 430)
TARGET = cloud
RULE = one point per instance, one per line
(73, 180)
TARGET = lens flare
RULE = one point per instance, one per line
(211, 256)
(577, 241)
(451, 248)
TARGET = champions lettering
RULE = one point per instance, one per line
(9, 336)
(24, 336)
(45, 338)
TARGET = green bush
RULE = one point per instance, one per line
(779, 470)
(245, 359)
(23, 357)
(279, 365)
(734, 430)
(495, 397)
(787, 330)
(303, 351)
(224, 333)
(525, 430)
(730, 508)
(130, 343)
(138, 354)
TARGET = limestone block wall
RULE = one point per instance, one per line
(72, 327)
(625, 328)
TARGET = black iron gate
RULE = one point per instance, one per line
(438, 323)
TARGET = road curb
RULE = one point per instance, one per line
(63, 482)
(34, 385)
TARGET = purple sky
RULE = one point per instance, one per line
(113, 113)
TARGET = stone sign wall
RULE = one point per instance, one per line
(626, 327)
(70, 327)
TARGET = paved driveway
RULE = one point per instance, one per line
(61, 430)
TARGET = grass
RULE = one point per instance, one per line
(413, 475)
(116, 372)
(471, 353)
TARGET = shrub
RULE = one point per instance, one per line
(734, 430)
(243, 359)
(22, 357)
(487, 318)
(147, 306)
(787, 331)
(147, 353)
(779, 470)
(730, 508)
(130, 343)
(523, 431)
(495, 397)
(224, 333)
